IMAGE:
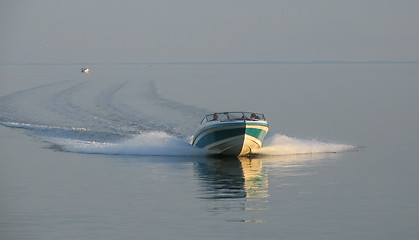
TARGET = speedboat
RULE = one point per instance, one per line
(231, 133)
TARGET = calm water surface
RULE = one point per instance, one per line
(105, 155)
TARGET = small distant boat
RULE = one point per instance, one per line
(231, 133)
(85, 70)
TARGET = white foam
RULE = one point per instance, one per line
(283, 145)
(35, 127)
(162, 144)
(147, 144)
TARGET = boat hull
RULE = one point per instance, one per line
(232, 138)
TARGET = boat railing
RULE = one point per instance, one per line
(233, 116)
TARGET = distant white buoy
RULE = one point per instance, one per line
(85, 70)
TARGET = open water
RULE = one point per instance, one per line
(106, 155)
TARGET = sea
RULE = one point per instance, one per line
(107, 154)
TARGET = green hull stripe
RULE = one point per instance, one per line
(257, 133)
(220, 135)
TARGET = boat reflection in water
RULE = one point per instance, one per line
(255, 178)
(240, 177)
(235, 187)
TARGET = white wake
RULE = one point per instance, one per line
(147, 144)
(164, 144)
(279, 145)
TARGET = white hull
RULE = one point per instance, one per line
(235, 137)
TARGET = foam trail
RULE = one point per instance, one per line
(283, 145)
(58, 132)
(37, 127)
(147, 144)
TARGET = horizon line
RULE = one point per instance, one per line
(221, 62)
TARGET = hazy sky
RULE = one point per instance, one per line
(208, 31)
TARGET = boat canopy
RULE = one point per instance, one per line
(233, 116)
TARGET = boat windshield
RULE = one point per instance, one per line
(233, 116)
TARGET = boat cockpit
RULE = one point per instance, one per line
(233, 116)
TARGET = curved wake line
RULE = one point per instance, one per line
(59, 132)
(36, 127)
